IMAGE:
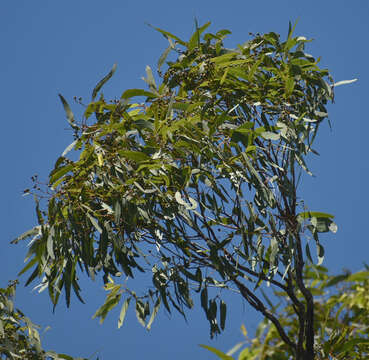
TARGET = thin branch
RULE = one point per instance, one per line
(254, 273)
(257, 304)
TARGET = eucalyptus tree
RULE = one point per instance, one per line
(193, 181)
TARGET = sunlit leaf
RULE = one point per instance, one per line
(344, 82)
(137, 92)
(220, 354)
(69, 113)
(123, 312)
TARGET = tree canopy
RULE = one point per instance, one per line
(192, 180)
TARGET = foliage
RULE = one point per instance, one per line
(19, 337)
(341, 326)
(194, 183)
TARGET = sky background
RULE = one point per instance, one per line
(50, 47)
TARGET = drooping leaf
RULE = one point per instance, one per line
(69, 113)
(154, 313)
(223, 314)
(220, 354)
(123, 312)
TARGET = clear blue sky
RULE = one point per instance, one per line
(67, 46)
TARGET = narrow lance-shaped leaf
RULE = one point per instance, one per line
(137, 92)
(123, 312)
(195, 38)
(103, 81)
(344, 82)
(220, 354)
(150, 79)
(223, 314)
(154, 313)
(69, 113)
(32, 232)
(320, 253)
(317, 214)
(164, 56)
(167, 34)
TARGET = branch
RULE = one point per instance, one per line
(257, 304)
(309, 320)
(254, 273)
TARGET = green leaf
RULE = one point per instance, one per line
(154, 313)
(180, 201)
(320, 253)
(220, 354)
(65, 357)
(351, 345)
(323, 224)
(137, 92)
(344, 82)
(94, 223)
(309, 214)
(69, 148)
(163, 56)
(49, 244)
(359, 276)
(268, 135)
(336, 279)
(140, 312)
(308, 253)
(110, 303)
(32, 232)
(333, 227)
(273, 250)
(123, 312)
(223, 314)
(137, 156)
(167, 35)
(150, 79)
(195, 38)
(103, 81)
(290, 85)
(68, 111)
(28, 266)
(204, 299)
(59, 173)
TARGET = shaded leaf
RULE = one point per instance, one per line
(103, 81)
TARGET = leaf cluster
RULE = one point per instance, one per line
(19, 337)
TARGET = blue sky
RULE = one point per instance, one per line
(51, 47)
